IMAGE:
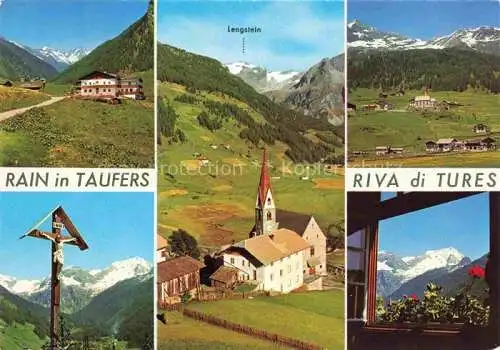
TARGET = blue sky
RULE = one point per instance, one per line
(462, 224)
(424, 19)
(116, 226)
(67, 24)
(295, 35)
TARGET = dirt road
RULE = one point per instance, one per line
(14, 112)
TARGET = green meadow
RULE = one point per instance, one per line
(315, 317)
(182, 333)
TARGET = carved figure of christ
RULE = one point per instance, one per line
(58, 257)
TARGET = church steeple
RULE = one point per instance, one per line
(265, 210)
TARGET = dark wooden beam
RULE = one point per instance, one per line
(365, 208)
(492, 269)
(371, 270)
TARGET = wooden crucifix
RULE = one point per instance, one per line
(60, 221)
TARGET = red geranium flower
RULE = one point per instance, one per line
(414, 297)
(476, 271)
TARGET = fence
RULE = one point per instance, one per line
(256, 333)
(170, 307)
(211, 295)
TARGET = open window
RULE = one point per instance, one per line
(457, 232)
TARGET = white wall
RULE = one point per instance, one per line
(284, 275)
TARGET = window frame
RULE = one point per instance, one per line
(434, 199)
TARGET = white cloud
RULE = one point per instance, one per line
(281, 22)
(1, 2)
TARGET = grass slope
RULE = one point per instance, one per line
(22, 323)
(13, 98)
(78, 133)
(16, 63)
(182, 333)
(316, 317)
(216, 204)
(19, 336)
(132, 50)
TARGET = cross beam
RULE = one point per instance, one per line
(60, 220)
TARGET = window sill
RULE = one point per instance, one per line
(429, 328)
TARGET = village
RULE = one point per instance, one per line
(428, 106)
(285, 252)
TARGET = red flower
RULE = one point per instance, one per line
(414, 297)
(476, 271)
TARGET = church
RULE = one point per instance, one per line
(283, 247)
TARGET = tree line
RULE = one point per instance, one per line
(441, 70)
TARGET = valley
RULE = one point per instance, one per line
(423, 103)
(216, 193)
(97, 305)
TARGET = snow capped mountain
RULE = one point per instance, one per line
(431, 260)
(237, 67)
(80, 285)
(120, 271)
(18, 286)
(261, 79)
(484, 39)
(59, 59)
(393, 271)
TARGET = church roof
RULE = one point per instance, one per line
(293, 221)
(265, 181)
(268, 248)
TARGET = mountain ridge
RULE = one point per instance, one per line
(485, 39)
(394, 271)
(80, 285)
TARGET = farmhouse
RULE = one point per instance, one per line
(447, 145)
(486, 144)
(371, 107)
(6, 83)
(224, 277)
(162, 248)
(34, 85)
(385, 150)
(268, 219)
(451, 144)
(423, 102)
(177, 277)
(383, 104)
(106, 85)
(480, 128)
(274, 262)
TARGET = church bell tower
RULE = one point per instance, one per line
(265, 210)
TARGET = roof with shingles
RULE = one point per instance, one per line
(177, 267)
(224, 274)
(269, 248)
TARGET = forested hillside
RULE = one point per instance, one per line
(440, 70)
(17, 63)
(198, 73)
